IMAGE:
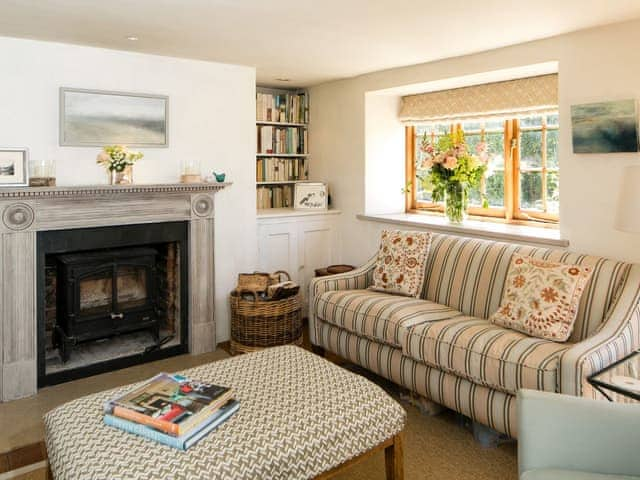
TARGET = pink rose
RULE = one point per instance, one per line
(103, 157)
(427, 162)
(450, 162)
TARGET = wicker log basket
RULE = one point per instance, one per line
(258, 323)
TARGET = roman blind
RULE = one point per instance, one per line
(512, 98)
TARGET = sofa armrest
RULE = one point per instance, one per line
(564, 432)
(618, 337)
(359, 278)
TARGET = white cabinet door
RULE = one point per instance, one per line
(278, 248)
(317, 247)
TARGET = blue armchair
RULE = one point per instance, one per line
(561, 437)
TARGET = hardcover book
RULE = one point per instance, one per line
(182, 442)
(172, 404)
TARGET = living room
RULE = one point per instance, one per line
(131, 173)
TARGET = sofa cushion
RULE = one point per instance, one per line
(486, 354)
(541, 298)
(400, 265)
(378, 316)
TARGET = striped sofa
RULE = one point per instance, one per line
(442, 347)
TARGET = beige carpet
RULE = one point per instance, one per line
(434, 447)
(438, 448)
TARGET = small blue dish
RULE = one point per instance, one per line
(219, 176)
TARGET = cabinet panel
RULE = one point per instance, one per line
(278, 248)
(317, 245)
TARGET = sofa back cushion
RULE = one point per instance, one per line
(469, 275)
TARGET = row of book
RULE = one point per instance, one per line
(282, 139)
(172, 409)
(274, 169)
(280, 196)
(289, 108)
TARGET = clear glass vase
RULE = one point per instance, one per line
(124, 177)
(456, 201)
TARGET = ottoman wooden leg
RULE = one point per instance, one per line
(393, 459)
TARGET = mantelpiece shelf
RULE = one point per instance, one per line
(92, 190)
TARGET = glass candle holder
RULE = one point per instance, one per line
(42, 172)
(190, 169)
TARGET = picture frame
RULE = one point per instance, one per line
(605, 127)
(310, 196)
(14, 167)
(94, 118)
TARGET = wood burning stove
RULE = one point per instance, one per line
(105, 293)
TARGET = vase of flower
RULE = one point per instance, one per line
(456, 201)
(124, 177)
(452, 171)
(119, 161)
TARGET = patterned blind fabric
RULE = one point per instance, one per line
(512, 98)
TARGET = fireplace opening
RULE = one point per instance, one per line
(109, 298)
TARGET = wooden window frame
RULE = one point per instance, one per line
(512, 211)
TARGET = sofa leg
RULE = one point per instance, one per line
(426, 406)
(318, 350)
(486, 436)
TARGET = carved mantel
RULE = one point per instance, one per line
(25, 211)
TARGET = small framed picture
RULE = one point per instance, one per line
(310, 196)
(13, 167)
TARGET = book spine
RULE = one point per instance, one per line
(143, 431)
(167, 427)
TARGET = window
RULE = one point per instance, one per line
(522, 179)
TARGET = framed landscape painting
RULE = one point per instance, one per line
(97, 118)
(606, 127)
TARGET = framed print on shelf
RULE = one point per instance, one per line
(94, 118)
(13, 167)
(310, 196)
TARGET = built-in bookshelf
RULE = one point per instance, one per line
(282, 159)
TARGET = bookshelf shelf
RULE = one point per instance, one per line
(282, 155)
(282, 124)
(281, 182)
(282, 118)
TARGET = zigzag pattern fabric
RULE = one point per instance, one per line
(299, 416)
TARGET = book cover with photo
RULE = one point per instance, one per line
(172, 404)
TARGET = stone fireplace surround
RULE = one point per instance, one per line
(26, 211)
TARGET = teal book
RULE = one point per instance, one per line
(183, 442)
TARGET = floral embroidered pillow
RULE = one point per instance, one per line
(541, 298)
(401, 262)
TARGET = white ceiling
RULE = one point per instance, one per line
(308, 41)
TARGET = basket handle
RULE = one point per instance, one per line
(281, 272)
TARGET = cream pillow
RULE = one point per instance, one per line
(401, 262)
(541, 298)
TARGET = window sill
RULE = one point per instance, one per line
(547, 237)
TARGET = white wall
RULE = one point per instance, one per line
(211, 118)
(594, 65)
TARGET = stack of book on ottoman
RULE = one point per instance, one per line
(171, 409)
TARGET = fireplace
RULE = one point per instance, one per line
(34, 222)
(110, 297)
(105, 293)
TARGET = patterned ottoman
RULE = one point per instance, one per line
(300, 417)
